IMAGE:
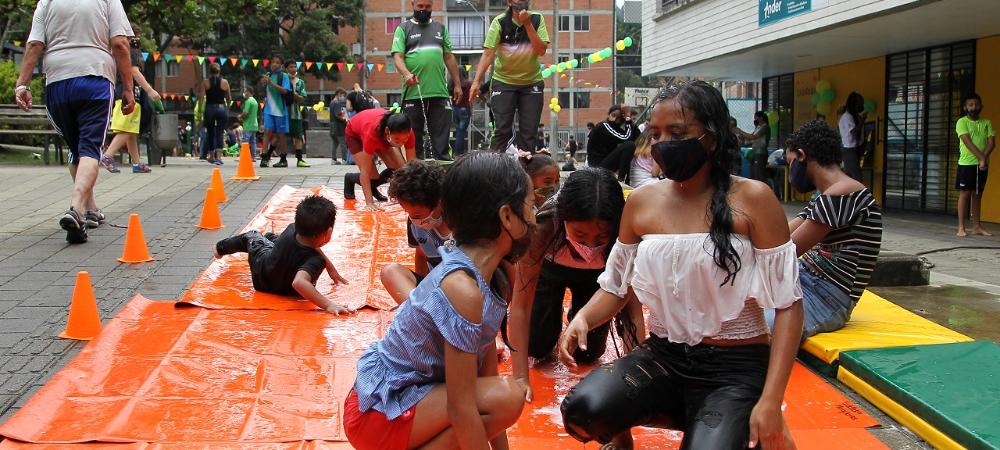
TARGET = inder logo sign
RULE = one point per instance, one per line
(771, 11)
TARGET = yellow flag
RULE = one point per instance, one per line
(255, 61)
(468, 67)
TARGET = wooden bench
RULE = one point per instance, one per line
(20, 121)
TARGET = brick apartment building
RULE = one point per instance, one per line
(585, 26)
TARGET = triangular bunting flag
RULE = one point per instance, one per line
(266, 62)
(390, 67)
(187, 98)
(201, 60)
(17, 43)
(379, 67)
(350, 67)
(156, 56)
(298, 64)
(190, 58)
(340, 66)
(309, 65)
(371, 67)
(211, 59)
(145, 56)
(329, 65)
(468, 67)
(167, 56)
(233, 61)
(243, 63)
(178, 58)
(255, 61)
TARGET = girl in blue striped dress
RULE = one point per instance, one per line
(432, 381)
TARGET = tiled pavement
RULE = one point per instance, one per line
(38, 269)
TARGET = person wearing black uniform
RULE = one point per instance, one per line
(608, 135)
(216, 94)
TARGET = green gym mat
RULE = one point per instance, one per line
(953, 387)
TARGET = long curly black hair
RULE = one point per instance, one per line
(709, 108)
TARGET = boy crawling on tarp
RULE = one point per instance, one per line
(290, 263)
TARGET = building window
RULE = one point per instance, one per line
(466, 32)
(581, 100)
(580, 23)
(779, 97)
(391, 23)
(173, 69)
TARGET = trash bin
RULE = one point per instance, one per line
(164, 136)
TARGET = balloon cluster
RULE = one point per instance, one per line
(554, 105)
(593, 58)
(823, 97)
(319, 106)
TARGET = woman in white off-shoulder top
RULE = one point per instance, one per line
(706, 253)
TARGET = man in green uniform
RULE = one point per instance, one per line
(421, 49)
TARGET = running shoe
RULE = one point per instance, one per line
(109, 163)
(76, 229)
(282, 163)
(302, 163)
(265, 162)
(141, 168)
(94, 218)
(217, 162)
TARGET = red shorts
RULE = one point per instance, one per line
(372, 430)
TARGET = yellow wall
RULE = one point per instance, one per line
(987, 74)
(867, 77)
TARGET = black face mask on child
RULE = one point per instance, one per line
(799, 178)
(519, 246)
(680, 160)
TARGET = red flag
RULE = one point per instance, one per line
(266, 62)
(340, 66)
(190, 58)
(211, 59)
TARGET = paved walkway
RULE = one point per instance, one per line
(38, 268)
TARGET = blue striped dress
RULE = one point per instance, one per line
(396, 372)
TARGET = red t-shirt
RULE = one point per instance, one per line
(364, 127)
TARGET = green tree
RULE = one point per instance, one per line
(16, 19)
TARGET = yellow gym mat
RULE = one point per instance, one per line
(878, 323)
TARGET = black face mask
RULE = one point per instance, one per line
(519, 246)
(679, 160)
(422, 16)
(973, 113)
(799, 178)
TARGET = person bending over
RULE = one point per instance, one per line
(417, 188)
(379, 132)
(432, 381)
(837, 236)
(706, 253)
(290, 263)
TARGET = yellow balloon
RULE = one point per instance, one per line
(557, 108)
(620, 45)
(823, 86)
(823, 108)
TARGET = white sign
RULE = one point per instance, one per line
(636, 96)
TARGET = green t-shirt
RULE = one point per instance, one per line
(516, 62)
(250, 107)
(979, 132)
(295, 110)
(423, 52)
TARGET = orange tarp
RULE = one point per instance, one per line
(258, 372)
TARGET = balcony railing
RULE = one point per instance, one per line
(668, 6)
(469, 41)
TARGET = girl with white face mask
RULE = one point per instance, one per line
(576, 229)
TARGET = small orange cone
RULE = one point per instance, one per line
(210, 219)
(84, 322)
(245, 170)
(135, 250)
(216, 184)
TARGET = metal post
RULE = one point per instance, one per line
(361, 35)
(553, 117)
(614, 54)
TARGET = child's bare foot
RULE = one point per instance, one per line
(961, 233)
(981, 232)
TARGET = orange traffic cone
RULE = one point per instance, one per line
(245, 170)
(210, 219)
(216, 184)
(135, 250)
(84, 322)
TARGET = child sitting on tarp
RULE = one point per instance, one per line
(291, 263)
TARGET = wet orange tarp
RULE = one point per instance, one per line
(363, 243)
(256, 372)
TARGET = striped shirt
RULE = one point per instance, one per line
(396, 372)
(847, 256)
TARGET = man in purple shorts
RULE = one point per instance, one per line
(83, 43)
